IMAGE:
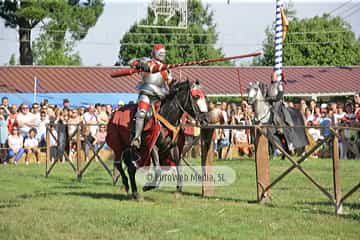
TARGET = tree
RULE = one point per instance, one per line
(12, 60)
(53, 46)
(317, 41)
(198, 42)
(48, 52)
(73, 16)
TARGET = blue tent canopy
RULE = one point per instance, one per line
(76, 99)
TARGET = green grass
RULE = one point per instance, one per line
(60, 207)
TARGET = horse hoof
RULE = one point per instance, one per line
(178, 195)
(137, 197)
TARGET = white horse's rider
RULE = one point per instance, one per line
(275, 96)
(152, 88)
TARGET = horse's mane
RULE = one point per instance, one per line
(176, 88)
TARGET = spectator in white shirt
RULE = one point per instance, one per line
(314, 132)
(91, 119)
(35, 109)
(339, 115)
(41, 130)
(31, 146)
(25, 120)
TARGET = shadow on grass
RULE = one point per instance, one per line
(199, 195)
(85, 181)
(354, 206)
(9, 205)
(351, 206)
(38, 195)
(67, 187)
(113, 196)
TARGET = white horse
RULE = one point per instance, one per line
(295, 137)
(256, 97)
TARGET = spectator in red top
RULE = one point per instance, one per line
(12, 117)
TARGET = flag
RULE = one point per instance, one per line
(285, 22)
(37, 84)
(36, 87)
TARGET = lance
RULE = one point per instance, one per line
(161, 67)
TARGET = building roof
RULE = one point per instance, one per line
(215, 80)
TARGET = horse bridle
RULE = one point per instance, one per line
(177, 103)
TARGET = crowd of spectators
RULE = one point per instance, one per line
(23, 128)
(319, 117)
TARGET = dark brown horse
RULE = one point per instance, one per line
(159, 143)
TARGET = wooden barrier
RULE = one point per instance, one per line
(207, 160)
(262, 141)
(263, 183)
(78, 169)
(262, 167)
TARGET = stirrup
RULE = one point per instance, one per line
(136, 142)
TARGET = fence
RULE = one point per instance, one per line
(263, 183)
(53, 141)
(262, 163)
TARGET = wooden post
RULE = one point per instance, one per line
(47, 151)
(262, 167)
(78, 151)
(336, 175)
(207, 159)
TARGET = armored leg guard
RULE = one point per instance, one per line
(139, 125)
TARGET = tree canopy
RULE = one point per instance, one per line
(318, 41)
(197, 42)
(58, 17)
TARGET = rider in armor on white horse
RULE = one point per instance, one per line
(275, 96)
(153, 87)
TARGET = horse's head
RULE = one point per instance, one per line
(252, 92)
(256, 91)
(191, 99)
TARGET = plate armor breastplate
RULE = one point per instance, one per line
(154, 84)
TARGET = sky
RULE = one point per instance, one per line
(240, 26)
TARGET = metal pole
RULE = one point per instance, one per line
(278, 41)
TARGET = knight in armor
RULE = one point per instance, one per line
(153, 87)
(275, 96)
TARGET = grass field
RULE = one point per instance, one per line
(60, 207)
